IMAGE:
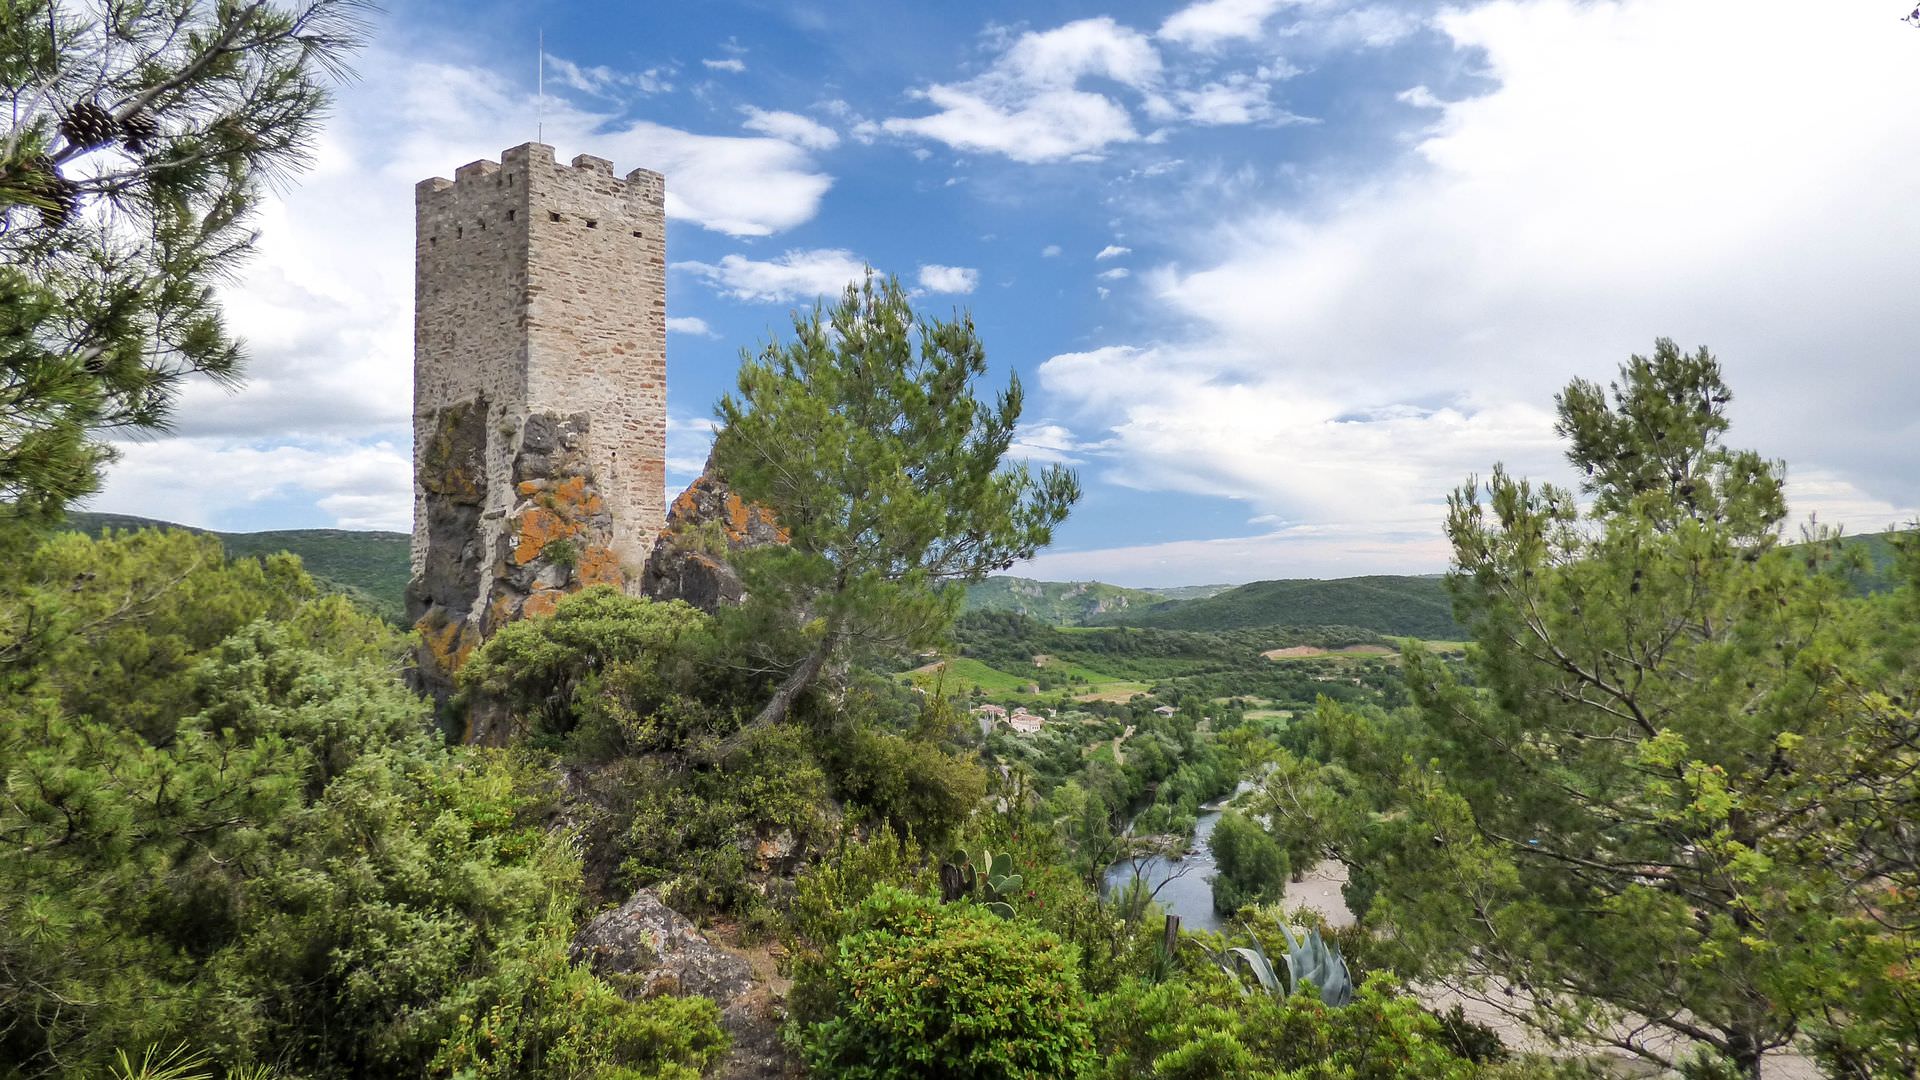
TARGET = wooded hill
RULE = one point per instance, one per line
(1074, 603)
(372, 566)
(1395, 605)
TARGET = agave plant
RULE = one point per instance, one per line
(991, 880)
(1310, 959)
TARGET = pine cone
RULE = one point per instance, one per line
(87, 125)
(138, 132)
(64, 194)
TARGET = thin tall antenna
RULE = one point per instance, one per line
(540, 101)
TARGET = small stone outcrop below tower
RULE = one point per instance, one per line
(539, 392)
(706, 526)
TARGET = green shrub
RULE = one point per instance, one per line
(607, 673)
(925, 989)
(910, 784)
(694, 834)
(1203, 1030)
(268, 856)
(828, 893)
(1252, 865)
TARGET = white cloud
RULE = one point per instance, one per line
(1114, 274)
(1209, 23)
(1048, 126)
(729, 184)
(199, 481)
(1420, 98)
(1238, 99)
(795, 275)
(730, 64)
(1050, 251)
(606, 82)
(691, 325)
(1545, 230)
(1044, 444)
(791, 127)
(1113, 251)
(1029, 106)
(948, 279)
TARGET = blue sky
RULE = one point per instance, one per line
(1276, 273)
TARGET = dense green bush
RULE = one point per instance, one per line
(1252, 865)
(605, 674)
(269, 855)
(695, 831)
(924, 989)
(1200, 1029)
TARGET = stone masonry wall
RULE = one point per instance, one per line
(539, 391)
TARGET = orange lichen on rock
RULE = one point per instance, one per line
(780, 533)
(541, 603)
(571, 495)
(539, 527)
(599, 566)
(736, 517)
(448, 642)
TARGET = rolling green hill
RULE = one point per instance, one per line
(373, 566)
(1401, 606)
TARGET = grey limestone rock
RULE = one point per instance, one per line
(647, 949)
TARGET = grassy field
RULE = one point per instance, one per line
(963, 675)
(1359, 652)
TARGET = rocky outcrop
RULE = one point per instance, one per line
(559, 534)
(646, 949)
(487, 566)
(706, 525)
(451, 474)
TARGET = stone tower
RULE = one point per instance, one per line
(539, 391)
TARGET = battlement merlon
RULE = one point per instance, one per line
(536, 161)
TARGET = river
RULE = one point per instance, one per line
(1185, 884)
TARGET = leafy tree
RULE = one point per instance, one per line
(112, 627)
(864, 438)
(1252, 865)
(1645, 815)
(1309, 806)
(138, 139)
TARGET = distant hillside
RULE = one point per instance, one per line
(1401, 606)
(373, 566)
(1878, 576)
(1071, 603)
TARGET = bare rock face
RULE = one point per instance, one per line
(485, 568)
(706, 524)
(646, 949)
(452, 476)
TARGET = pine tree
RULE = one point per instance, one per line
(1645, 814)
(139, 137)
(864, 438)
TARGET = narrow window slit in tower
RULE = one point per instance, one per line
(636, 234)
(509, 215)
(593, 224)
(459, 231)
(552, 216)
